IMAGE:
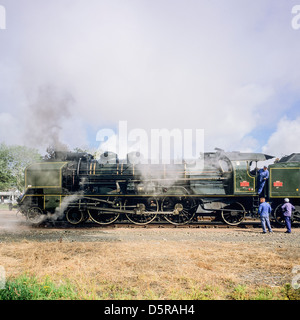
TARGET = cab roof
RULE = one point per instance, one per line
(236, 155)
(294, 157)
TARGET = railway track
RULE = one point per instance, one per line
(202, 222)
(246, 224)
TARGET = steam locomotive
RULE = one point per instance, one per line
(76, 187)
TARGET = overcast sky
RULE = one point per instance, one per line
(231, 67)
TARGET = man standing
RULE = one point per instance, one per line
(263, 175)
(264, 210)
(287, 209)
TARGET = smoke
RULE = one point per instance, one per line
(60, 211)
(44, 118)
(153, 176)
(10, 222)
(168, 177)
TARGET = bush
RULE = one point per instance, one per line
(29, 288)
(292, 294)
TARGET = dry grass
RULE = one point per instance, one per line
(149, 270)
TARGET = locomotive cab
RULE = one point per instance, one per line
(244, 175)
(43, 189)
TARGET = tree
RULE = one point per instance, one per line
(6, 176)
(50, 153)
(13, 161)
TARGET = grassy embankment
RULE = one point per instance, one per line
(154, 270)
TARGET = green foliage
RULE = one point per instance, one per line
(291, 294)
(239, 292)
(26, 287)
(13, 160)
(6, 176)
(29, 288)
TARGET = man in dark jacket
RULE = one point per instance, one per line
(287, 209)
(263, 175)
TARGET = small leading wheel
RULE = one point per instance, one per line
(233, 214)
(279, 217)
(35, 215)
(101, 216)
(74, 216)
(145, 210)
(183, 209)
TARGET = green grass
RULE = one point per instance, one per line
(27, 287)
(290, 293)
(286, 292)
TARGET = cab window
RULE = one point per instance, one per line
(252, 168)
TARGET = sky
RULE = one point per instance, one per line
(69, 68)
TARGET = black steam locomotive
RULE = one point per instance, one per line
(77, 187)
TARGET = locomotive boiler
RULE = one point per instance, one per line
(77, 187)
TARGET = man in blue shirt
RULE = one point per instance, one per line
(264, 210)
(287, 209)
(263, 175)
